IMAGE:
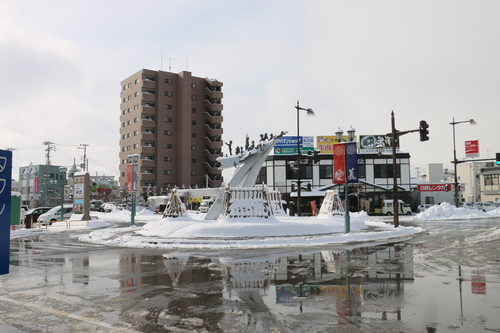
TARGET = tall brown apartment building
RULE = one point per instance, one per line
(174, 122)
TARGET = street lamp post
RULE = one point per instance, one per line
(132, 182)
(453, 123)
(309, 112)
(347, 218)
(62, 171)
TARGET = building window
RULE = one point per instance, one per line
(167, 106)
(136, 106)
(168, 93)
(136, 119)
(167, 145)
(193, 160)
(167, 159)
(168, 81)
(193, 135)
(193, 173)
(193, 147)
(193, 85)
(262, 176)
(193, 122)
(385, 171)
(193, 110)
(137, 81)
(129, 122)
(167, 132)
(193, 97)
(362, 171)
(136, 94)
(167, 172)
(167, 119)
(326, 171)
(491, 182)
(136, 133)
(136, 145)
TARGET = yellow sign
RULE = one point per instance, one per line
(195, 199)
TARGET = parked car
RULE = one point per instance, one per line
(54, 214)
(424, 207)
(32, 215)
(468, 205)
(160, 208)
(109, 206)
(486, 206)
(387, 208)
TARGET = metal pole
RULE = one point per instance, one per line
(455, 165)
(298, 161)
(347, 218)
(395, 203)
(132, 213)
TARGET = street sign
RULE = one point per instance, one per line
(472, 148)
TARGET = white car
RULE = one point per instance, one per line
(54, 214)
(424, 207)
(486, 206)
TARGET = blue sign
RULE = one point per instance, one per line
(288, 145)
(351, 162)
(5, 200)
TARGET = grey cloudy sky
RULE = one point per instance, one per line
(353, 62)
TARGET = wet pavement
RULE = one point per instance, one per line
(444, 280)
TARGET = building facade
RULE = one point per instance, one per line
(42, 185)
(375, 179)
(174, 123)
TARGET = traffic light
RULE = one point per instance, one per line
(424, 130)
(316, 156)
(498, 159)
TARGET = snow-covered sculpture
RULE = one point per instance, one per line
(332, 204)
(174, 206)
(248, 164)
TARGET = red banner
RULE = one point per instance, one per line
(35, 185)
(129, 178)
(339, 176)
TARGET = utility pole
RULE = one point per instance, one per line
(85, 163)
(50, 147)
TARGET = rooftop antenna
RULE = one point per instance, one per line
(161, 60)
(169, 59)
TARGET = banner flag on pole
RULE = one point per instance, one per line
(339, 170)
(351, 161)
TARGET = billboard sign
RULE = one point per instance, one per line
(5, 205)
(339, 167)
(369, 143)
(325, 143)
(434, 187)
(472, 148)
(287, 145)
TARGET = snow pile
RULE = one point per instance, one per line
(445, 211)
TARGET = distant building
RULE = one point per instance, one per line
(42, 185)
(174, 122)
(489, 183)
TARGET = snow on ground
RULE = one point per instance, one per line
(194, 232)
(445, 211)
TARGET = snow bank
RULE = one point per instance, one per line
(445, 211)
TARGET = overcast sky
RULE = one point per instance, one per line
(353, 62)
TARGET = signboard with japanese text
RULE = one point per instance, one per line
(287, 145)
(5, 207)
(369, 143)
(434, 187)
(472, 148)
(325, 143)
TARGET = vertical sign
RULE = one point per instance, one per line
(351, 161)
(339, 176)
(472, 148)
(5, 203)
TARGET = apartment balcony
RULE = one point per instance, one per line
(212, 144)
(212, 154)
(212, 106)
(212, 132)
(215, 180)
(212, 119)
(213, 94)
(214, 83)
(211, 168)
